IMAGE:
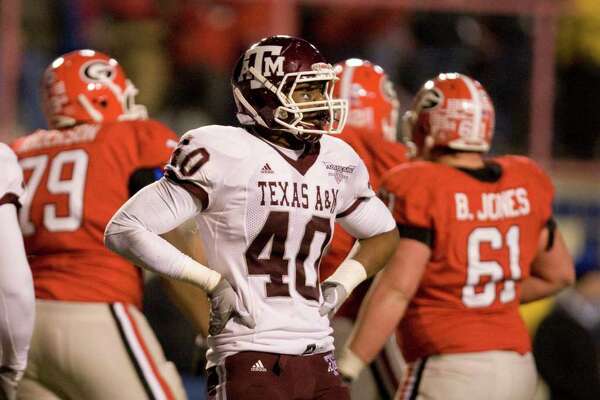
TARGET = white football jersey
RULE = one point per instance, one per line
(11, 178)
(267, 220)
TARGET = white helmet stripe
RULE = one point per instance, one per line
(255, 116)
(87, 106)
(477, 111)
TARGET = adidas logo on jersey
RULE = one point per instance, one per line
(258, 367)
(266, 169)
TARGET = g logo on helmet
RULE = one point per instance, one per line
(97, 71)
(263, 64)
(430, 99)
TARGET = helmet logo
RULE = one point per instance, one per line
(267, 61)
(97, 71)
(430, 99)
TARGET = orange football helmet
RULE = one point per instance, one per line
(86, 86)
(451, 110)
(373, 102)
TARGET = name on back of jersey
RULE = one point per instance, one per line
(42, 139)
(493, 206)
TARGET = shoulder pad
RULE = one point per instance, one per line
(226, 140)
(408, 174)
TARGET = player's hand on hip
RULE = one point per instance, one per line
(224, 305)
(334, 295)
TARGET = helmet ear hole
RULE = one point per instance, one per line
(103, 103)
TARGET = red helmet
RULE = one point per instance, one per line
(265, 78)
(86, 86)
(372, 100)
(451, 111)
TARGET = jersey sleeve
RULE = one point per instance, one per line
(155, 142)
(409, 197)
(359, 188)
(199, 164)
(11, 178)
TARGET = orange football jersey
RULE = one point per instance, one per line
(76, 179)
(379, 156)
(485, 234)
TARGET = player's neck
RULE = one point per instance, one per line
(281, 138)
(461, 160)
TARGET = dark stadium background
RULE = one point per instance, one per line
(539, 60)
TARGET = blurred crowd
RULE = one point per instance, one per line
(180, 54)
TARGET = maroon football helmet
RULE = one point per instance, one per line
(267, 75)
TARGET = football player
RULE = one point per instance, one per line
(477, 239)
(371, 130)
(90, 339)
(266, 196)
(17, 307)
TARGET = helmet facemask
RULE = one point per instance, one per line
(132, 111)
(295, 116)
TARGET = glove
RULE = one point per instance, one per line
(338, 286)
(9, 378)
(334, 295)
(224, 305)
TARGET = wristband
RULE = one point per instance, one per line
(350, 365)
(349, 274)
(198, 274)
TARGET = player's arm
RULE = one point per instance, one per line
(155, 142)
(190, 299)
(134, 233)
(552, 268)
(374, 227)
(17, 301)
(385, 305)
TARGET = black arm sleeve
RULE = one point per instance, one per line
(423, 235)
(551, 225)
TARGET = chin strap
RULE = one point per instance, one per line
(246, 119)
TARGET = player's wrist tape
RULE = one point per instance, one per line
(350, 365)
(349, 274)
(200, 275)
